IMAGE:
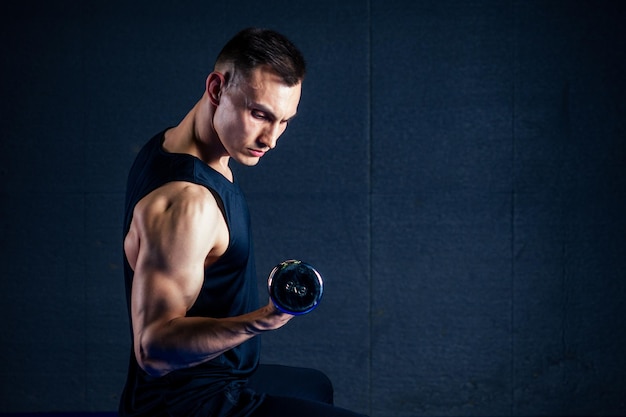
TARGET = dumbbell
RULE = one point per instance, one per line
(295, 287)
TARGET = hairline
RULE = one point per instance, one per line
(232, 74)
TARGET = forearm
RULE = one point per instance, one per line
(187, 341)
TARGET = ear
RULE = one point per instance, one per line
(215, 82)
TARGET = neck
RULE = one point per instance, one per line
(195, 137)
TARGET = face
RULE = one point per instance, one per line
(253, 113)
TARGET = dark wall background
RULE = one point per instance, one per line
(457, 173)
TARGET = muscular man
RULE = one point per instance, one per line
(189, 261)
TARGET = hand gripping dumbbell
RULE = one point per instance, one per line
(295, 287)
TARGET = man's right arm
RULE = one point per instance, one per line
(174, 232)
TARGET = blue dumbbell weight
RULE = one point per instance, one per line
(295, 287)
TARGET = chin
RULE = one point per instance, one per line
(249, 162)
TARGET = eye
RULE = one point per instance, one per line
(257, 114)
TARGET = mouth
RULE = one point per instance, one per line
(256, 152)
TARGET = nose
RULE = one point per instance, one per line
(271, 134)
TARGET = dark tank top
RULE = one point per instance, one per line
(217, 387)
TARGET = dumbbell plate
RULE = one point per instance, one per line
(295, 287)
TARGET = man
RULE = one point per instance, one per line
(189, 263)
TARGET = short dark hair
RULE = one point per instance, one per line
(254, 47)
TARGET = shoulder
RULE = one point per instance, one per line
(177, 199)
(179, 210)
(180, 219)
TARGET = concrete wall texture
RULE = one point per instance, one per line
(457, 172)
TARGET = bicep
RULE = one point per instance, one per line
(173, 242)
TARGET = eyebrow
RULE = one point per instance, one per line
(270, 113)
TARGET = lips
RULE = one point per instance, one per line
(257, 153)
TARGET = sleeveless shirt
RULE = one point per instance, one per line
(216, 387)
